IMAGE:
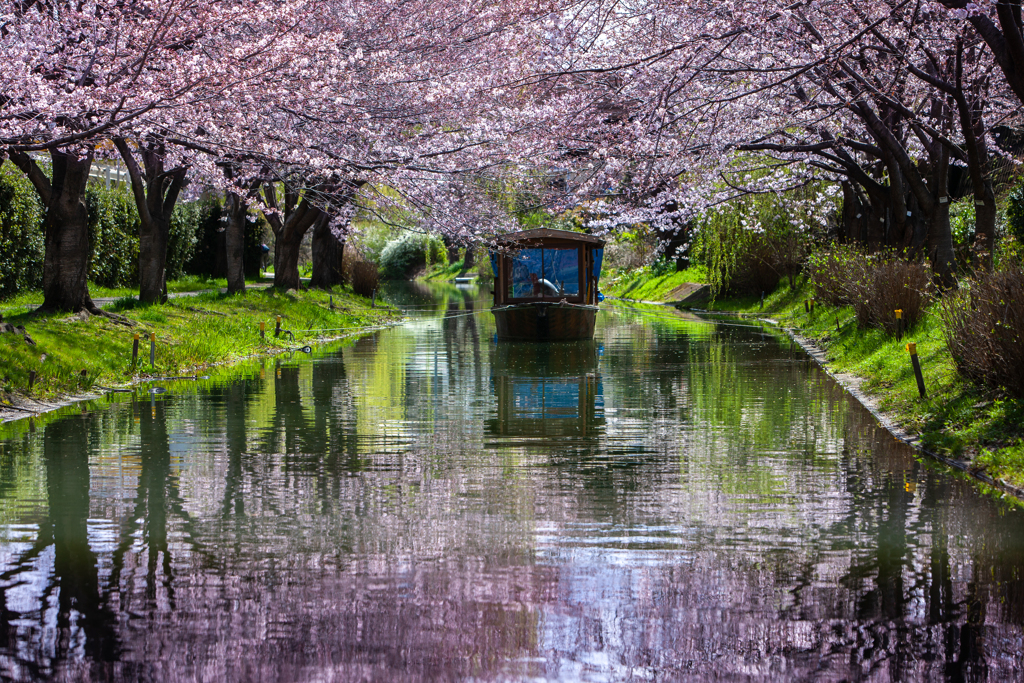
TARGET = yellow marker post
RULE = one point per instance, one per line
(277, 328)
(263, 330)
(899, 323)
(912, 350)
(135, 352)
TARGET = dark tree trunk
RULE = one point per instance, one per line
(940, 236)
(156, 192)
(451, 248)
(470, 261)
(328, 256)
(234, 242)
(66, 228)
(286, 261)
(289, 226)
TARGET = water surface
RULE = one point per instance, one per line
(679, 499)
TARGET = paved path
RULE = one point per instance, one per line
(102, 301)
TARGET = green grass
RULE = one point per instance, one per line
(189, 283)
(443, 272)
(641, 285)
(192, 332)
(956, 419)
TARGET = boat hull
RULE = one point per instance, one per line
(544, 321)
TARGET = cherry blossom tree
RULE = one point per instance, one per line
(73, 74)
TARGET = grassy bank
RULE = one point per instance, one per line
(72, 355)
(957, 419)
(643, 285)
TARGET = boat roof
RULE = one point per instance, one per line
(540, 234)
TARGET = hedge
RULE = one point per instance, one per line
(194, 244)
(21, 236)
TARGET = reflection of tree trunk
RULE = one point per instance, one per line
(153, 484)
(289, 420)
(65, 452)
(474, 335)
(235, 436)
(892, 551)
(334, 426)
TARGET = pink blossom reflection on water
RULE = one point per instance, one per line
(677, 500)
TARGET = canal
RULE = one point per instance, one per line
(680, 499)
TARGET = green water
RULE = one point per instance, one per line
(680, 499)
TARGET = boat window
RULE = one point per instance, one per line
(545, 272)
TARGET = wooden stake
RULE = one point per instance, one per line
(31, 379)
(912, 349)
(277, 327)
(152, 349)
(135, 352)
(263, 330)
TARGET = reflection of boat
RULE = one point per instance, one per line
(549, 390)
(545, 285)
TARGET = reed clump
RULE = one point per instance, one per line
(875, 285)
(984, 329)
(365, 278)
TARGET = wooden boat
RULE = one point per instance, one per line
(545, 285)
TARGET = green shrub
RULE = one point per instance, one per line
(207, 255)
(1015, 213)
(436, 252)
(831, 271)
(183, 237)
(962, 225)
(748, 245)
(21, 233)
(402, 256)
(114, 235)
(256, 230)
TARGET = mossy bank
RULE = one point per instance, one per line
(75, 355)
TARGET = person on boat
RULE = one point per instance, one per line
(542, 287)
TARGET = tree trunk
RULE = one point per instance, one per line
(156, 193)
(328, 256)
(65, 227)
(290, 226)
(234, 242)
(153, 238)
(985, 226)
(286, 260)
(940, 236)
